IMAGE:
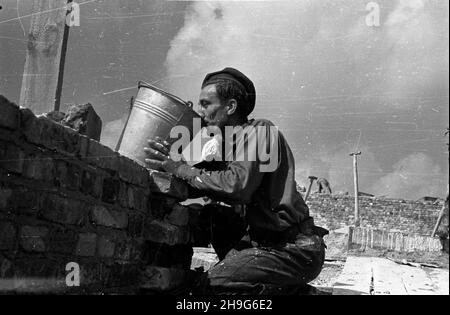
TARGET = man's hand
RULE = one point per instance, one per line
(158, 153)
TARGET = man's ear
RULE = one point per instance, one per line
(232, 107)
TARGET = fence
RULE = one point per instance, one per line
(392, 240)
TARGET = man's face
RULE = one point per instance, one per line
(211, 109)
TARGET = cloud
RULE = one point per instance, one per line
(413, 42)
(406, 11)
(249, 36)
(413, 177)
(297, 50)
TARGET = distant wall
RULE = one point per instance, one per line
(409, 217)
(67, 198)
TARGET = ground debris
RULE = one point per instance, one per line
(413, 264)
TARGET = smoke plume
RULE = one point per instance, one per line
(310, 60)
(413, 177)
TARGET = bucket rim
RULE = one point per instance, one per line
(167, 94)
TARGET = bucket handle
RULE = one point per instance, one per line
(148, 85)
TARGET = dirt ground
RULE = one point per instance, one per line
(323, 284)
(330, 272)
(440, 259)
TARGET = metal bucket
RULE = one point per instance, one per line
(153, 114)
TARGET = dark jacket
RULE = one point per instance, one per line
(272, 200)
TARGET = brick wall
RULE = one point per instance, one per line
(409, 217)
(67, 198)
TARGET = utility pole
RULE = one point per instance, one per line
(445, 206)
(45, 58)
(355, 178)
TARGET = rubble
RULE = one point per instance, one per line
(80, 117)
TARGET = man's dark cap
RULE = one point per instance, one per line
(232, 74)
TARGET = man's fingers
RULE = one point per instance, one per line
(159, 139)
(155, 154)
(154, 164)
(159, 146)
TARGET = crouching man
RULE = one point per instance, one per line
(281, 249)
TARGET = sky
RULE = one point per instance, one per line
(332, 79)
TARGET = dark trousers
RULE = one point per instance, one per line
(258, 269)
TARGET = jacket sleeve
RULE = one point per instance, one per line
(236, 184)
(240, 179)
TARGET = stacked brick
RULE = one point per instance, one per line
(406, 216)
(67, 198)
(169, 236)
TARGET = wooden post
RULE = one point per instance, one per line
(446, 202)
(44, 64)
(441, 215)
(355, 178)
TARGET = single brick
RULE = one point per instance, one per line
(39, 168)
(121, 275)
(163, 279)
(19, 200)
(111, 189)
(63, 210)
(68, 175)
(84, 147)
(167, 184)
(32, 238)
(136, 224)
(106, 245)
(124, 246)
(11, 157)
(137, 198)
(9, 114)
(62, 241)
(92, 274)
(165, 233)
(122, 197)
(84, 119)
(178, 216)
(91, 183)
(137, 249)
(132, 172)
(102, 156)
(5, 195)
(24, 200)
(108, 217)
(6, 269)
(7, 236)
(87, 244)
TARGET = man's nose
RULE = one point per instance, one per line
(200, 112)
